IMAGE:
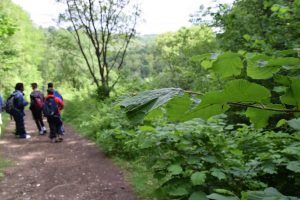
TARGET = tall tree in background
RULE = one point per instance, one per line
(109, 26)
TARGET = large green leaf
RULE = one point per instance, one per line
(264, 67)
(236, 91)
(245, 91)
(227, 65)
(292, 96)
(175, 169)
(284, 61)
(294, 166)
(178, 107)
(218, 173)
(294, 123)
(138, 106)
(198, 178)
(260, 117)
(258, 67)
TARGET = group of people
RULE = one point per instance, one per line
(49, 106)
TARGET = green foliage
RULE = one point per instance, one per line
(178, 50)
(21, 47)
(244, 93)
(254, 25)
(227, 65)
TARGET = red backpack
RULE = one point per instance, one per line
(38, 103)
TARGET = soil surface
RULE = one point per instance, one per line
(71, 170)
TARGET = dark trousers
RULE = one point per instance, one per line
(38, 118)
(20, 125)
(55, 125)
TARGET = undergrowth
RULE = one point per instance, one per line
(195, 159)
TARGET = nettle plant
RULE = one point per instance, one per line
(262, 86)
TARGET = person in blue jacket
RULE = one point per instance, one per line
(18, 111)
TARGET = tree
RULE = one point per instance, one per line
(179, 51)
(109, 26)
(256, 25)
(21, 47)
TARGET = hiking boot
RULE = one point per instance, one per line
(60, 138)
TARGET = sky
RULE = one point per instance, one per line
(159, 15)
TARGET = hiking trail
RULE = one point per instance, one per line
(71, 170)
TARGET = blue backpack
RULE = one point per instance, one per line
(50, 108)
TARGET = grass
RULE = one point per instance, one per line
(3, 163)
(139, 178)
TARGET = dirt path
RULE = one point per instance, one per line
(71, 170)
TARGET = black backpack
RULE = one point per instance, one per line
(10, 104)
(50, 108)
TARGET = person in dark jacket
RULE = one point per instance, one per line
(55, 92)
(18, 111)
(58, 95)
(36, 106)
(55, 106)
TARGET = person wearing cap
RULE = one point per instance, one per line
(58, 95)
(55, 92)
(52, 109)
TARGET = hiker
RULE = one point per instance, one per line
(52, 108)
(58, 95)
(36, 106)
(1, 106)
(15, 106)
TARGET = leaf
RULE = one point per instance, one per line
(294, 123)
(205, 112)
(179, 191)
(260, 118)
(267, 194)
(292, 96)
(258, 67)
(282, 80)
(215, 103)
(175, 169)
(137, 107)
(280, 89)
(227, 65)
(178, 107)
(225, 192)
(198, 196)
(216, 196)
(281, 123)
(198, 178)
(245, 91)
(294, 166)
(218, 173)
(284, 61)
